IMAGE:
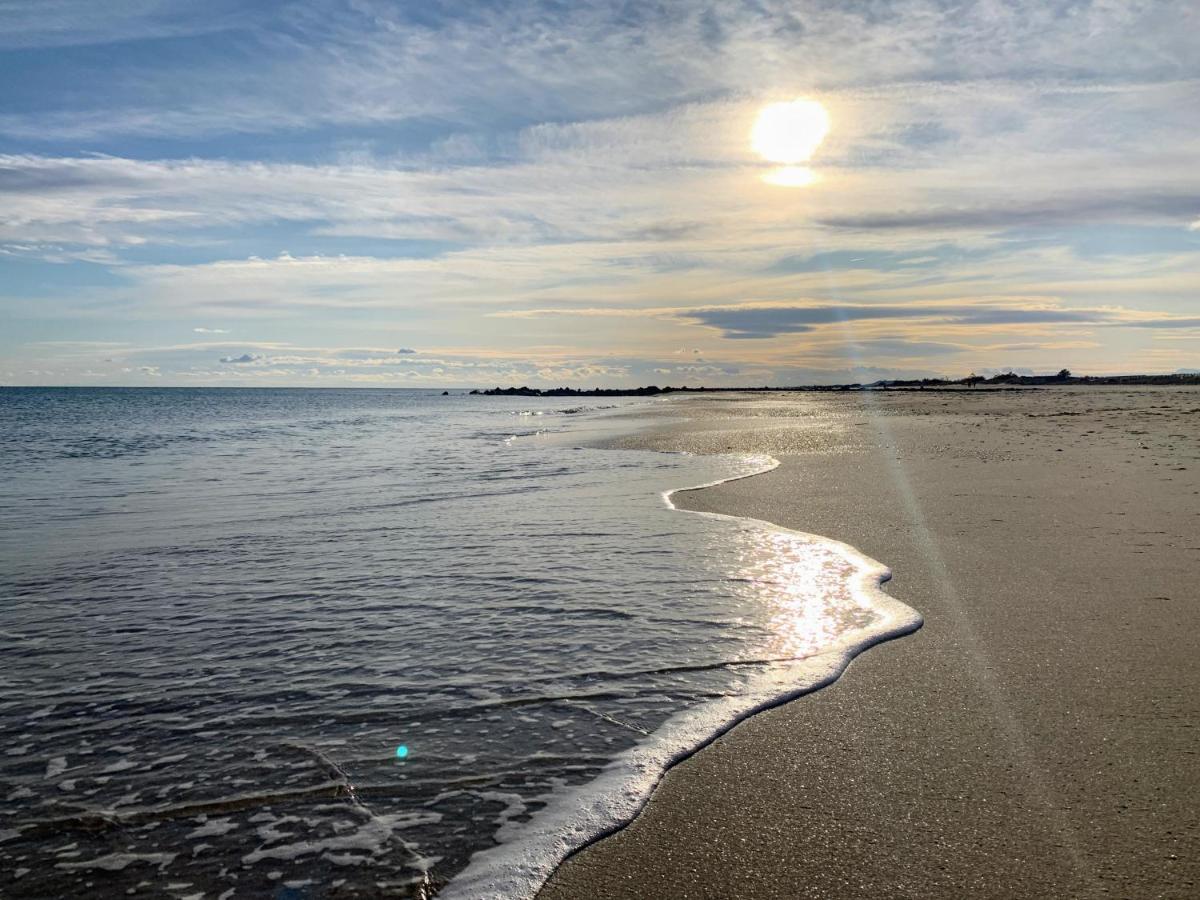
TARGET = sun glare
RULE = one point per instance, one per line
(790, 133)
(791, 176)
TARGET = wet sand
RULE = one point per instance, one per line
(1040, 736)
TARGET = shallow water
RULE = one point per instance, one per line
(225, 612)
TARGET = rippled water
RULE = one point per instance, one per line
(225, 611)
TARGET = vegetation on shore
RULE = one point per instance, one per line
(1003, 380)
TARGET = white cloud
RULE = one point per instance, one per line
(684, 175)
(61, 23)
(371, 61)
(584, 160)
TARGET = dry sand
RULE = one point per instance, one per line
(1038, 737)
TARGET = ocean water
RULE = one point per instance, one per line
(313, 643)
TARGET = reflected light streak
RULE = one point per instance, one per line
(808, 588)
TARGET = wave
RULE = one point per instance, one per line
(577, 818)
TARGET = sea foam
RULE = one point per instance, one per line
(574, 819)
(233, 607)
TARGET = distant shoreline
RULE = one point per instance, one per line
(1006, 381)
(1034, 738)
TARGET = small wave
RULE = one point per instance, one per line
(576, 819)
(517, 614)
(576, 410)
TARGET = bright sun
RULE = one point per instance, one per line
(790, 132)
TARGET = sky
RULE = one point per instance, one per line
(428, 194)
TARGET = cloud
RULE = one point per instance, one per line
(899, 347)
(244, 359)
(756, 322)
(606, 177)
(63, 23)
(585, 168)
(759, 322)
(370, 61)
(1169, 322)
(1097, 204)
(857, 325)
(829, 360)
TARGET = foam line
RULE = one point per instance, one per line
(576, 818)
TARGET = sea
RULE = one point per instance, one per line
(356, 643)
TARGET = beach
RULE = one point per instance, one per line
(391, 678)
(1037, 737)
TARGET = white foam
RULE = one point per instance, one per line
(213, 828)
(574, 819)
(116, 862)
(366, 840)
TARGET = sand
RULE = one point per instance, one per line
(1038, 737)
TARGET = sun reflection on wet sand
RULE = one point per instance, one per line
(808, 588)
(813, 605)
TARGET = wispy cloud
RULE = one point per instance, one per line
(524, 180)
(287, 65)
(1096, 204)
(63, 23)
(751, 320)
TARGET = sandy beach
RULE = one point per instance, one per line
(1038, 737)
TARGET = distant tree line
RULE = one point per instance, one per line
(1001, 380)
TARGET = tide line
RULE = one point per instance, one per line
(581, 816)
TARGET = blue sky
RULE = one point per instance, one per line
(285, 193)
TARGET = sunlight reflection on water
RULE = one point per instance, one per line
(806, 586)
(228, 608)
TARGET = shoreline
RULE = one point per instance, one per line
(1037, 737)
(616, 797)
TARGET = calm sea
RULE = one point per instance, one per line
(335, 643)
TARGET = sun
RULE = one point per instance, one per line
(790, 132)
(791, 176)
